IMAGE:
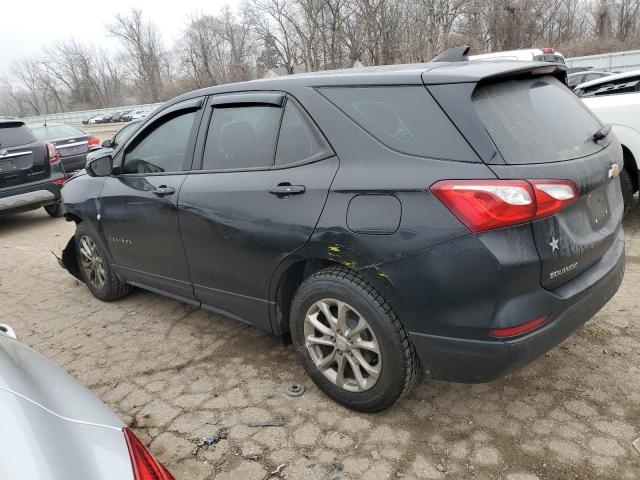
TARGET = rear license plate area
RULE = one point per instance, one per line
(598, 208)
(7, 165)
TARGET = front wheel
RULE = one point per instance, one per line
(96, 271)
(352, 344)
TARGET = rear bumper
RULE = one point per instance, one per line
(74, 162)
(29, 197)
(472, 361)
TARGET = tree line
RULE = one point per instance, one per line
(267, 37)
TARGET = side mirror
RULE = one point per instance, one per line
(107, 143)
(99, 167)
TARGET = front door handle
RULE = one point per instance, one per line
(163, 191)
(284, 189)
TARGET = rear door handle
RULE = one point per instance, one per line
(163, 191)
(287, 189)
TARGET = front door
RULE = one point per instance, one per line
(138, 204)
(266, 172)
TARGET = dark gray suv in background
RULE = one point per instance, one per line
(31, 174)
(453, 218)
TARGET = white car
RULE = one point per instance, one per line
(526, 54)
(616, 101)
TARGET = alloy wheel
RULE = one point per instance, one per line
(342, 345)
(92, 262)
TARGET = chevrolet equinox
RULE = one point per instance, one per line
(455, 219)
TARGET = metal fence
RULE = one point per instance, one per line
(618, 61)
(79, 116)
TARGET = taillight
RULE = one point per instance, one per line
(519, 329)
(52, 153)
(553, 195)
(92, 142)
(145, 467)
(489, 204)
(59, 181)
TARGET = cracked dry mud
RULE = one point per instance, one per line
(177, 375)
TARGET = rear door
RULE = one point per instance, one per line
(23, 159)
(265, 174)
(540, 130)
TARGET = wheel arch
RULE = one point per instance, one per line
(291, 277)
(631, 165)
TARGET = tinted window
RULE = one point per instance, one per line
(536, 120)
(406, 119)
(163, 148)
(12, 134)
(299, 140)
(242, 137)
(124, 133)
(57, 131)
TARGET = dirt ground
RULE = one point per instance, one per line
(176, 375)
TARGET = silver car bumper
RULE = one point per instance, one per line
(24, 199)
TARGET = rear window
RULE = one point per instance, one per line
(406, 119)
(536, 120)
(12, 135)
(56, 131)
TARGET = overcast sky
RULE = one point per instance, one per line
(28, 25)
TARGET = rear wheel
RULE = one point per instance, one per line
(627, 189)
(96, 271)
(352, 344)
(54, 210)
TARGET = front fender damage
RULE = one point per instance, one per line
(69, 260)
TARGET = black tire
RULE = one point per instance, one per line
(400, 370)
(113, 287)
(627, 189)
(54, 210)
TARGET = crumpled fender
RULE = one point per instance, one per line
(69, 260)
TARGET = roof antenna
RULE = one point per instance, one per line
(455, 54)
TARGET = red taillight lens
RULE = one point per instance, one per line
(145, 467)
(52, 153)
(489, 204)
(59, 181)
(518, 330)
(92, 142)
(553, 195)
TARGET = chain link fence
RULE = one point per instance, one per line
(79, 116)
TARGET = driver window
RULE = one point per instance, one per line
(162, 148)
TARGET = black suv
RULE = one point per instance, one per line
(452, 218)
(31, 174)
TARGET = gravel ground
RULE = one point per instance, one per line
(176, 375)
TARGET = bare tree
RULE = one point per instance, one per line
(144, 54)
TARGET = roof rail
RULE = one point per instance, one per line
(455, 54)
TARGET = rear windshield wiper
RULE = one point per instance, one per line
(601, 134)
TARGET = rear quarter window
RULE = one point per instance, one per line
(404, 118)
(536, 120)
(12, 135)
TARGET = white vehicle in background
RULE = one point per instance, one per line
(526, 54)
(616, 101)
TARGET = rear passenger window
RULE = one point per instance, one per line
(299, 139)
(242, 137)
(406, 119)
